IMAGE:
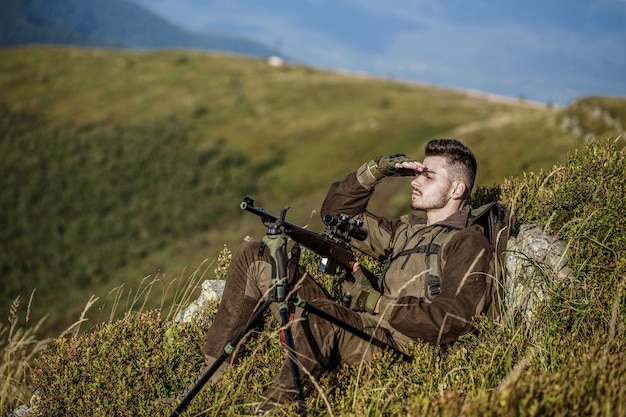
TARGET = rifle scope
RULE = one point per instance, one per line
(341, 225)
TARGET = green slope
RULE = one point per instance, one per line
(117, 165)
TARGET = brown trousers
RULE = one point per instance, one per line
(319, 344)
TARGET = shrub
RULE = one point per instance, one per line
(581, 202)
(117, 369)
(573, 366)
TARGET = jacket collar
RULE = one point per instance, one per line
(458, 220)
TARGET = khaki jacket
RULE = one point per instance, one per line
(465, 259)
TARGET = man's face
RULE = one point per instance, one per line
(432, 186)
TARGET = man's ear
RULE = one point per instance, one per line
(458, 190)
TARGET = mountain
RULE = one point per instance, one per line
(107, 23)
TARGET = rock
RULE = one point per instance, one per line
(533, 261)
(212, 290)
(24, 410)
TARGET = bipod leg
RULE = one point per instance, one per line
(226, 352)
(291, 353)
(301, 302)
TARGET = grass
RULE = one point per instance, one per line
(568, 363)
(19, 345)
(119, 165)
(122, 169)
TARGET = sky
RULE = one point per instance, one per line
(549, 51)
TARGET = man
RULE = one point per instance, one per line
(416, 299)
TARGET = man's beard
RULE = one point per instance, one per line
(436, 201)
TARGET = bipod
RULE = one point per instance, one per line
(276, 241)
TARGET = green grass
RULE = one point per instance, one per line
(569, 363)
(121, 174)
(81, 204)
(120, 165)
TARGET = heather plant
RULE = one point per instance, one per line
(130, 366)
(569, 364)
(223, 260)
(118, 368)
(581, 202)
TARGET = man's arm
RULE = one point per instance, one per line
(347, 196)
(351, 197)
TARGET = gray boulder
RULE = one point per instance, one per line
(534, 261)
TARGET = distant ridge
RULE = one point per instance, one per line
(107, 23)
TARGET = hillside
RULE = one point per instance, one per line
(119, 165)
(559, 355)
(107, 23)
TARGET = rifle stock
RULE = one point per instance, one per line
(323, 245)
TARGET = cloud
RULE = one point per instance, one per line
(542, 50)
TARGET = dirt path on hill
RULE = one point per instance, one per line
(495, 121)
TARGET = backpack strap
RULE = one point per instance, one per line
(479, 212)
(498, 225)
(433, 262)
(432, 250)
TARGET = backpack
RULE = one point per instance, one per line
(497, 225)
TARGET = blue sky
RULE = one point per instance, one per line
(544, 50)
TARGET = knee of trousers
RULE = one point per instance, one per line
(326, 305)
(328, 342)
(249, 271)
(249, 251)
(320, 327)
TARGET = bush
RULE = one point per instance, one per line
(117, 369)
(574, 366)
(581, 202)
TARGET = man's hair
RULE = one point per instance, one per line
(461, 160)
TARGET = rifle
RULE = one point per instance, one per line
(333, 245)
